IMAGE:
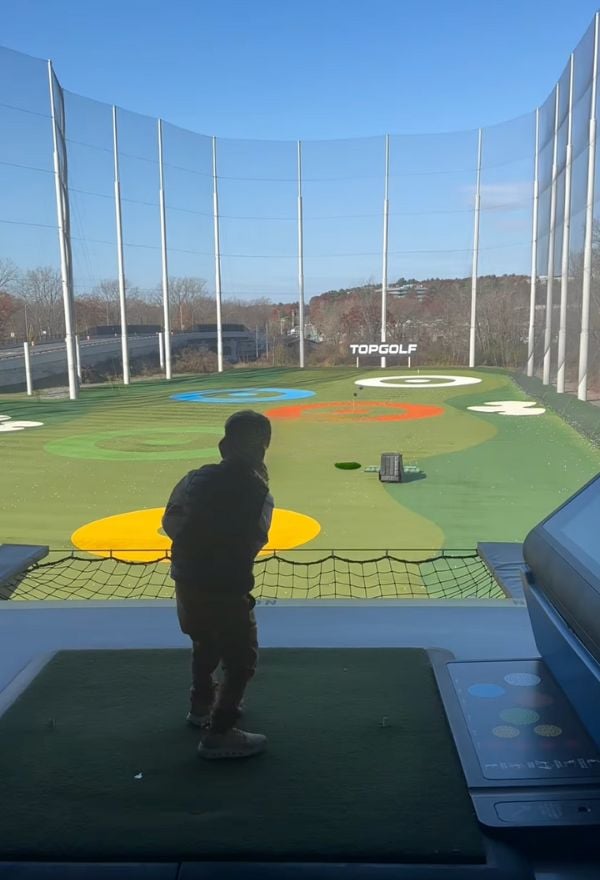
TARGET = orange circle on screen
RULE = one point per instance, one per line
(358, 411)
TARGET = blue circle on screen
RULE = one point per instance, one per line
(486, 691)
(242, 395)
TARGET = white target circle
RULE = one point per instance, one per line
(426, 381)
(510, 408)
(7, 424)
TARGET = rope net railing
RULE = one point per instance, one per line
(66, 575)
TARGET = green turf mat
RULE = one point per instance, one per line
(335, 783)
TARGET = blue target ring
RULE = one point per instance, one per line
(242, 395)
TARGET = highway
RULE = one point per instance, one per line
(49, 360)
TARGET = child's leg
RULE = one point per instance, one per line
(198, 620)
(205, 659)
(238, 648)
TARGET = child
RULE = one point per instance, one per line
(218, 518)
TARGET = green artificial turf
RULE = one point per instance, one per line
(337, 782)
(483, 477)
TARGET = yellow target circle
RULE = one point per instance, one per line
(505, 731)
(548, 730)
(137, 536)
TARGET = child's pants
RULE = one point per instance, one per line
(223, 630)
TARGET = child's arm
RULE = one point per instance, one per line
(264, 523)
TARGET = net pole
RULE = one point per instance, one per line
(566, 237)
(550, 275)
(163, 251)
(384, 271)
(218, 293)
(473, 321)
(584, 337)
(78, 357)
(62, 214)
(300, 261)
(28, 382)
(161, 350)
(120, 254)
(534, 243)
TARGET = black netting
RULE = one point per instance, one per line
(450, 575)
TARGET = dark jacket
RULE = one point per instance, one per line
(218, 518)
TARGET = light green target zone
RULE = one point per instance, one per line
(138, 444)
(519, 716)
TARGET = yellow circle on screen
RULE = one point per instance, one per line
(137, 536)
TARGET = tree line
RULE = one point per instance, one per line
(434, 313)
(31, 306)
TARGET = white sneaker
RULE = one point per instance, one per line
(233, 744)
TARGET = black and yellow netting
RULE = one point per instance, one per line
(446, 575)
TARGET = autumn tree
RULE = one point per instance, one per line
(9, 304)
(9, 307)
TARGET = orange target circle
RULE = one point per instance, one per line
(356, 411)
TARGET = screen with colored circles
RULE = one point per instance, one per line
(521, 725)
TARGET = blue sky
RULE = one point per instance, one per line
(334, 69)
(309, 69)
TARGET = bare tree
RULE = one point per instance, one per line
(188, 301)
(107, 292)
(9, 275)
(41, 289)
(102, 303)
(254, 313)
(142, 310)
(90, 312)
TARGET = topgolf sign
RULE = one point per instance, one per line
(384, 348)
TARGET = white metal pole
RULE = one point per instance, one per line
(163, 247)
(473, 321)
(384, 269)
(161, 350)
(78, 357)
(27, 369)
(584, 338)
(217, 258)
(564, 275)
(550, 275)
(65, 267)
(534, 242)
(120, 256)
(300, 260)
